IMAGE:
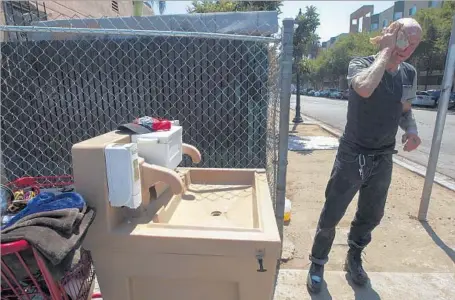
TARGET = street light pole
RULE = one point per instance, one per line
(298, 118)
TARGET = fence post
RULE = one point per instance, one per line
(439, 127)
(285, 98)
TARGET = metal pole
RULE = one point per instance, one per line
(285, 99)
(439, 127)
(139, 32)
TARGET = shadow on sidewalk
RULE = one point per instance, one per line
(363, 293)
(294, 129)
(323, 295)
(437, 240)
(304, 152)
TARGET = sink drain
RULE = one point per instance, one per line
(216, 213)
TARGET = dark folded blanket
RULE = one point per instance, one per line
(55, 234)
(48, 202)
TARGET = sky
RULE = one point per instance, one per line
(334, 15)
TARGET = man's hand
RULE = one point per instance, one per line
(368, 79)
(411, 141)
(389, 36)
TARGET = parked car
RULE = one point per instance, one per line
(452, 101)
(311, 93)
(324, 93)
(435, 94)
(424, 99)
(317, 94)
(345, 94)
(335, 94)
(306, 91)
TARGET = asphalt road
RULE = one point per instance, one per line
(333, 112)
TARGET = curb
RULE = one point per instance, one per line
(415, 168)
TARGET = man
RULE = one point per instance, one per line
(382, 88)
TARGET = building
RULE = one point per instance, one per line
(381, 20)
(360, 20)
(400, 9)
(25, 12)
(93, 9)
(329, 44)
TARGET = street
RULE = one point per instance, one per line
(333, 112)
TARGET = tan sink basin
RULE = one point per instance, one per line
(216, 205)
(212, 198)
(217, 240)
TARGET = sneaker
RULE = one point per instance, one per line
(354, 267)
(315, 278)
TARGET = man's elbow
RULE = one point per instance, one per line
(363, 91)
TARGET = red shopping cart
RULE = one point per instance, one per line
(41, 182)
(77, 283)
(21, 190)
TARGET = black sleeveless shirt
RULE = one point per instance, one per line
(372, 123)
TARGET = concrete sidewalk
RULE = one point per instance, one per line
(407, 259)
(384, 286)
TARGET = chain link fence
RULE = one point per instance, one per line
(65, 81)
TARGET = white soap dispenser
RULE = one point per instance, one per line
(123, 175)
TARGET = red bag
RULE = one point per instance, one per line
(155, 124)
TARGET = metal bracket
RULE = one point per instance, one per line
(260, 257)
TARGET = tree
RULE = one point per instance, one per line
(332, 64)
(207, 6)
(305, 33)
(211, 6)
(436, 25)
(259, 6)
(304, 39)
(428, 55)
(445, 24)
(308, 71)
(138, 6)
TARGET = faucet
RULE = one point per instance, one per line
(152, 174)
(192, 152)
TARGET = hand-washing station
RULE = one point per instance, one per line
(189, 233)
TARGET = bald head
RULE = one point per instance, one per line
(408, 38)
(411, 27)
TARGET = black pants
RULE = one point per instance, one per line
(370, 175)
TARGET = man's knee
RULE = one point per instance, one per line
(335, 208)
(377, 216)
(374, 221)
(330, 217)
(371, 219)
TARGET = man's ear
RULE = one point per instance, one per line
(406, 106)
